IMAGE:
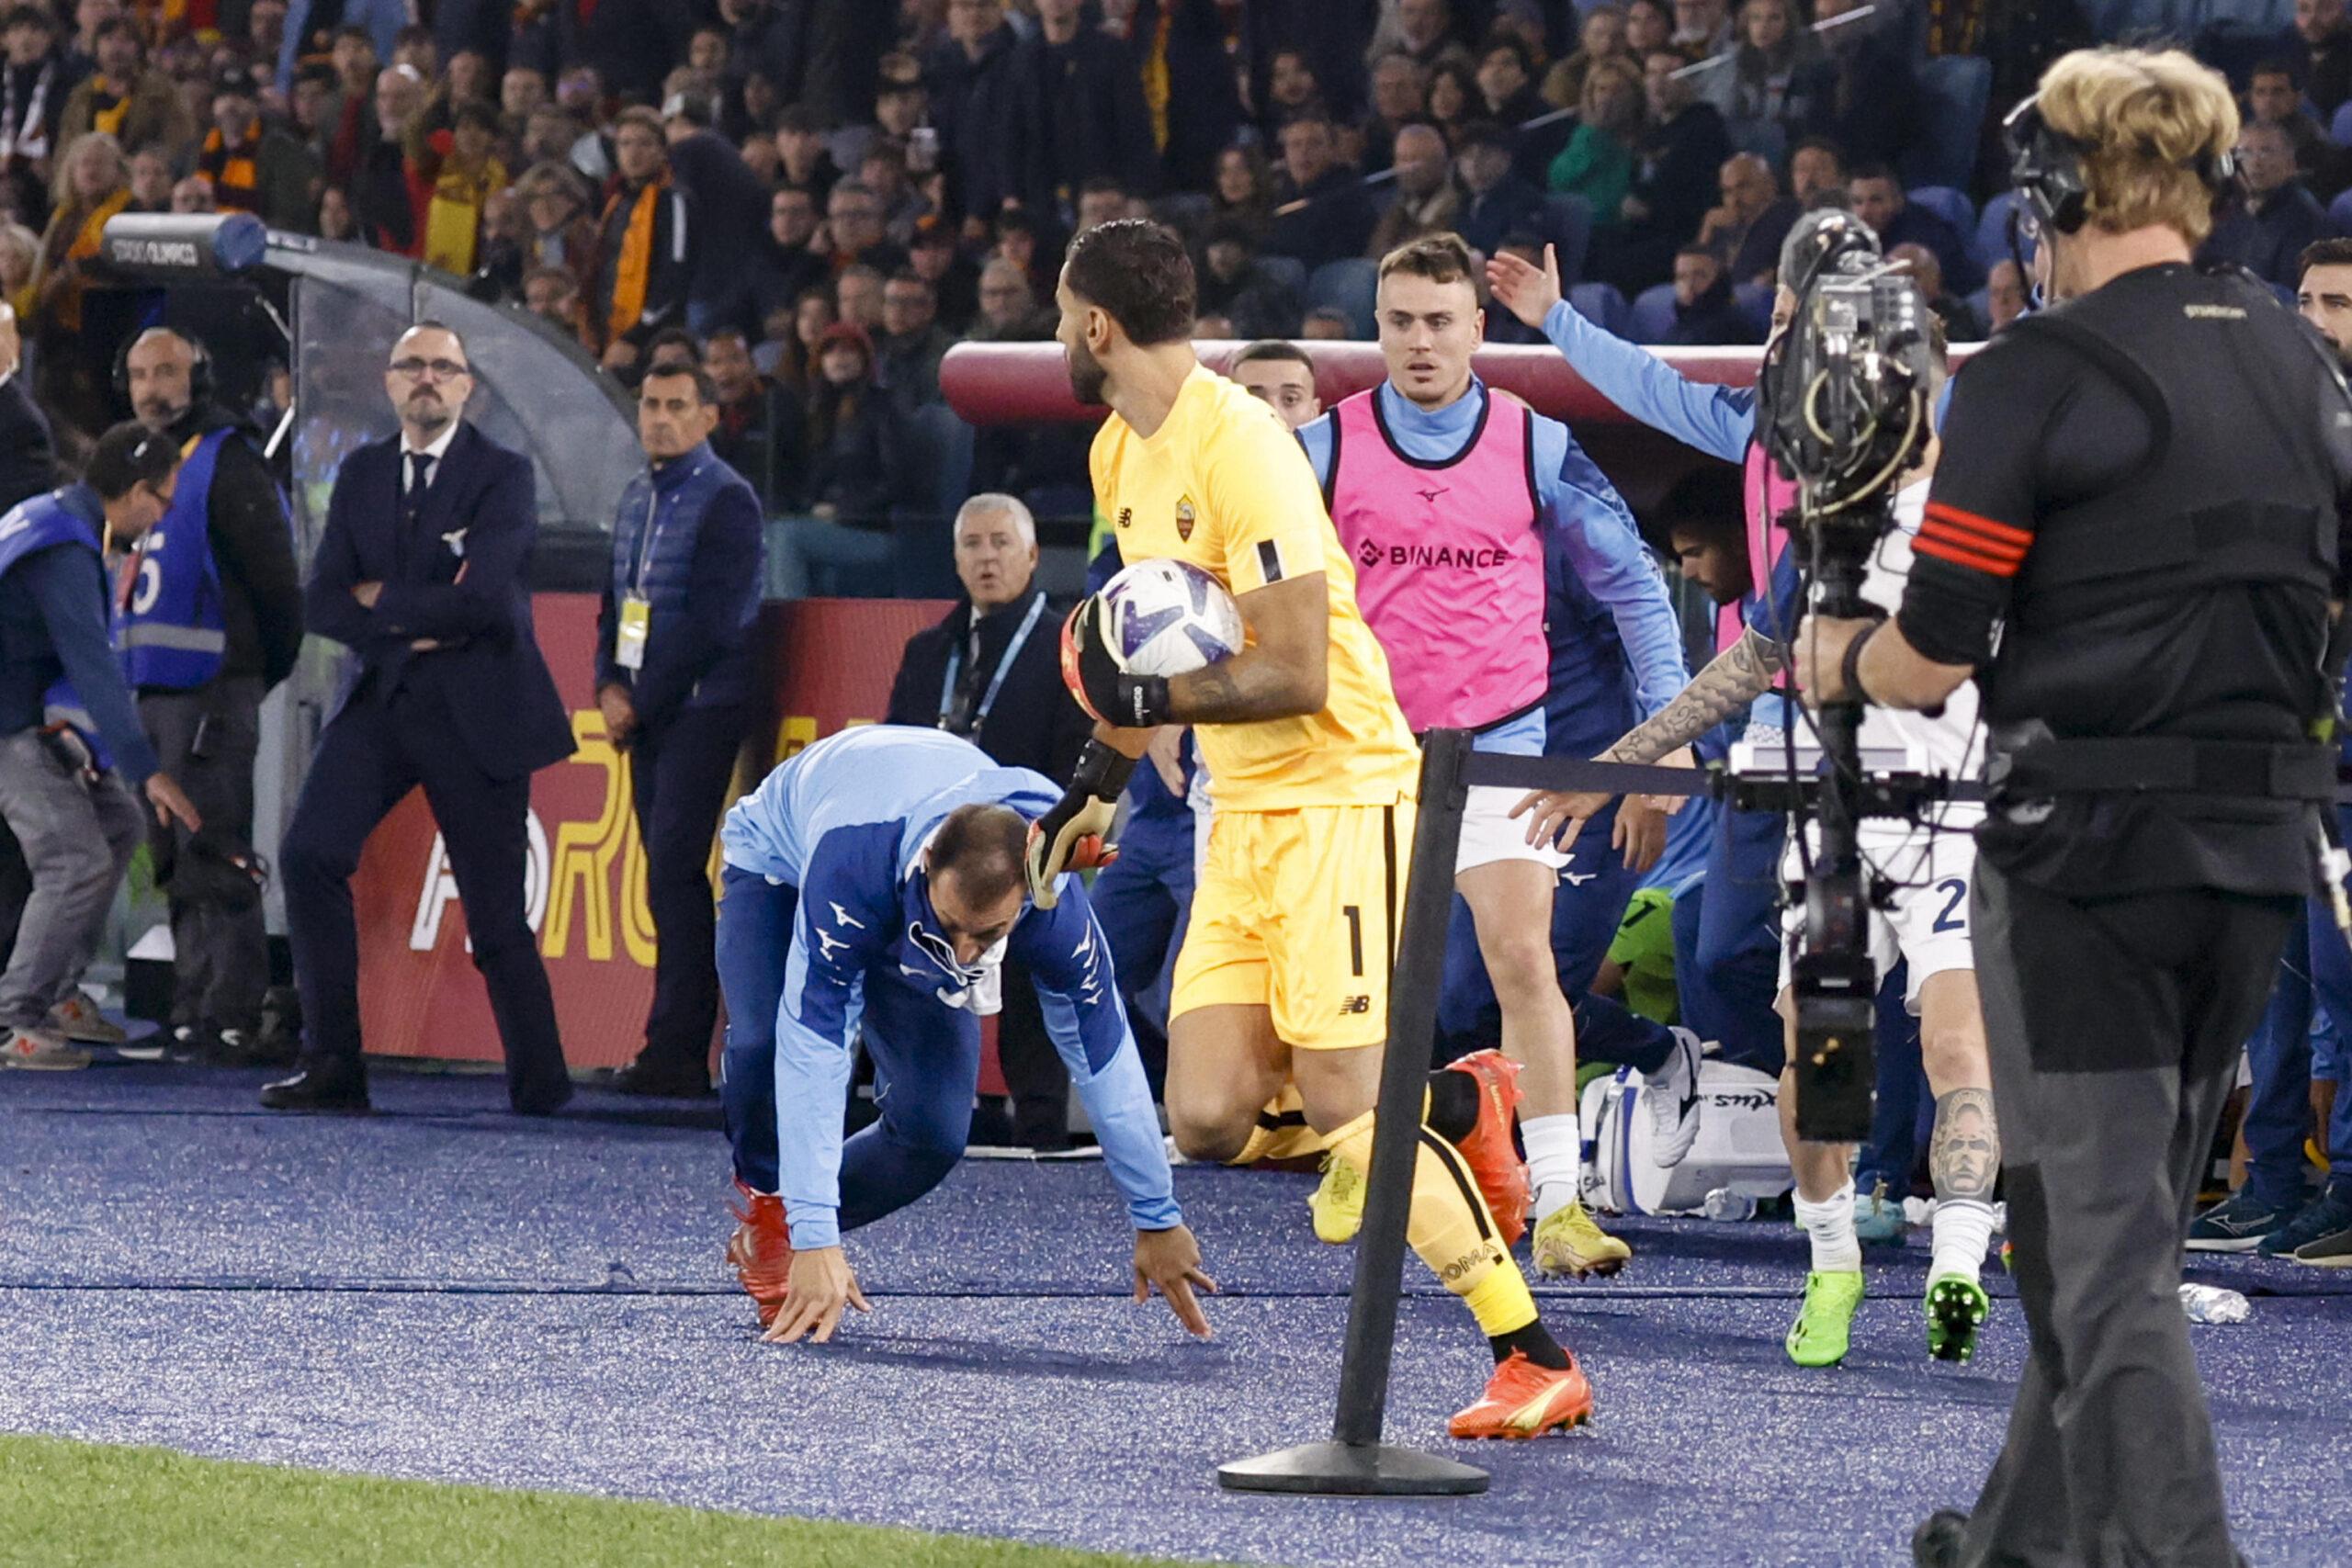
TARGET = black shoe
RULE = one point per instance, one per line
(544, 1100)
(661, 1078)
(248, 1048)
(318, 1088)
(1936, 1543)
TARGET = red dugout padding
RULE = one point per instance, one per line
(832, 660)
(1022, 383)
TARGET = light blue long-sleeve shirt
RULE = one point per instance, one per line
(1718, 421)
(846, 822)
(1582, 514)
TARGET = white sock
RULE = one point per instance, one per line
(1830, 1226)
(1961, 1230)
(1555, 1152)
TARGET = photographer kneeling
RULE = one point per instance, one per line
(2143, 488)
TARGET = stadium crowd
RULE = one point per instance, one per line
(786, 211)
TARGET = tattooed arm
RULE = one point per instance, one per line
(1285, 670)
(1735, 678)
(1732, 679)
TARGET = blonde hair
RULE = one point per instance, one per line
(2146, 120)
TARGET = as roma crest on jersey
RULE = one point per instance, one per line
(1184, 519)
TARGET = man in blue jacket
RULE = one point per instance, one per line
(873, 887)
(73, 758)
(677, 678)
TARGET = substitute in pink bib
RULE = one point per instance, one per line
(1449, 562)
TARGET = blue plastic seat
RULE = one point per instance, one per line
(1601, 304)
(1952, 206)
(1351, 284)
(2339, 130)
(1568, 226)
(2339, 213)
(1754, 301)
(1288, 271)
(1954, 91)
(1990, 244)
(1653, 315)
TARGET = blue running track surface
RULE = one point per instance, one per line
(444, 1291)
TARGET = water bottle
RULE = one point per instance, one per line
(1728, 1204)
(2211, 1304)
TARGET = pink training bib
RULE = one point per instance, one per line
(1449, 562)
(1766, 495)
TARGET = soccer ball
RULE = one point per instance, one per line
(1169, 617)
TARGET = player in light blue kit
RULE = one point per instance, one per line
(873, 887)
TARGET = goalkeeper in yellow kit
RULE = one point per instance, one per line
(1283, 980)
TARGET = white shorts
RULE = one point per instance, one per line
(1934, 873)
(1489, 833)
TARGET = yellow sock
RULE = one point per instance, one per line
(1282, 1131)
(1449, 1226)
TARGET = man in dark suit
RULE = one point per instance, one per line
(992, 673)
(422, 571)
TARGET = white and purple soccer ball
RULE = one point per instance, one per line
(1169, 617)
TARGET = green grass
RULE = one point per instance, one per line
(70, 1504)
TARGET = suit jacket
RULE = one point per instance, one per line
(480, 518)
(1034, 722)
(28, 462)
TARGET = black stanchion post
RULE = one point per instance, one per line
(1355, 1462)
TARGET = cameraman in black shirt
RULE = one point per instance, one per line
(2143, 494)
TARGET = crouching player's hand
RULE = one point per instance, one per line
(1169, 1261)
(821, 1283)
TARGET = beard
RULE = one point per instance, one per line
(1087, 377)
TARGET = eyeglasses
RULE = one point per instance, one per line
(437, 369)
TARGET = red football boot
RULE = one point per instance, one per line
(761, 1250)
(1523, 1400)
(1487, 1149)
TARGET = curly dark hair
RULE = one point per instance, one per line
(1138, 272)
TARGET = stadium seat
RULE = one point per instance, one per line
(1954, 92)
(1350, 285)
(2339, 130)
(1953, 206)
(1186, 211)
(1568, 226)
(1288, 271)
(1653, 314)
(1601, 304)
(2339, 213)
(1990, 244)
(939, 464)
(1754, 301)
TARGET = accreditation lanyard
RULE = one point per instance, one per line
(636, 628)
(996, 684)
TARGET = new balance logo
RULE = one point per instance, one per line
(1352, 1004)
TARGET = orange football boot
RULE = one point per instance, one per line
(761, 1250)
(1523, 1400)
(1487, 1150)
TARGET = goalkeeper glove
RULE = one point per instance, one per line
(1070, 836)
(1108, 693)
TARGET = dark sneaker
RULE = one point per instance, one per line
(2236, 1223)
(1936, 1543)
(2324, 1216)
(659, 1078)
(2328, 1251)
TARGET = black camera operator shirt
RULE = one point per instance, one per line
(2035, 426)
